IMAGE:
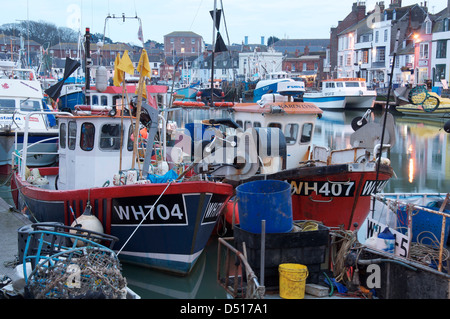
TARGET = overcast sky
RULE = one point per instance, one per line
(284, 19)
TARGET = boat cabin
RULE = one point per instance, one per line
(89, 150)
(342, 84)
(21, 93)
(295, 119)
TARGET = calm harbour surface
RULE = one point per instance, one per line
(420, 158)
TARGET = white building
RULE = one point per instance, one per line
(253, 65)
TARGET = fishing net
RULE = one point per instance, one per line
(72, 263)
(83, 273)
(419, 96)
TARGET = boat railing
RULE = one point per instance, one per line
(19, 159)
(412, 207)
(23, 157)
(235, 274)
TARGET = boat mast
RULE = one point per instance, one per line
(87, 63)
(212, 55)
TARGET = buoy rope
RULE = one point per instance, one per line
(151, 210)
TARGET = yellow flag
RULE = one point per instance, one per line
(144, 65)
(125, 64)
(118, 74)
(144, 90)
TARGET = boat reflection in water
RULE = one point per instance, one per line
(200, 284)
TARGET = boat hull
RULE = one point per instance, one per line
(442, 111)
(340, 102)
(188, 93)
(169, 238)
(68, 101)
(266, 86)
(7, 147)
(336, 195)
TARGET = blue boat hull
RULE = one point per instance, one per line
(171, 237)
(68, 102)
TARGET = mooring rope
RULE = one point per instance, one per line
(151, 210)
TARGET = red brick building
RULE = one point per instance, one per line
(357, 14)
(183, 43)
(307, 66)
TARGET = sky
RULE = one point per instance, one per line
(284, 19)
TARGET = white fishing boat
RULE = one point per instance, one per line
(160, 220)
(270, 84)
(342, 93)
(20, 94)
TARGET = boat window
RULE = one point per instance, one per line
(239, 122)
(72, 135)
(275, 125)
(30, 105)
(352, 84)
(94, 100)
(329, 85)
(130, 138)
(104, 100)
(256, 124)
(110, 137)
(62, 135)
(339, 84)
(7, 105)
(291, 133)
(87, 136)
(363, 84)
(247, 124)
(306, 133)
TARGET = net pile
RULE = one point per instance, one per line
(82, 273)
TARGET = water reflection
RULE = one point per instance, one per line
(420, 156)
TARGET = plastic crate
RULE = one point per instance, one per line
(308, 248)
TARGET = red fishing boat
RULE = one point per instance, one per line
(329, 186)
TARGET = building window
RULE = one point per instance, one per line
(380, 56)
(348, 60)
(445, 24)
(441, 49)
(385, 35)
(365, 56)
(376, 36)
(182, 40)
(423, 52)
(192, 41)
(428, 27)
(440, 72)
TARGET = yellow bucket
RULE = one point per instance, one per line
(292, 280)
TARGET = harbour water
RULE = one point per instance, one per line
(421, 162)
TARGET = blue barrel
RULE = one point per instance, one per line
(268, 200)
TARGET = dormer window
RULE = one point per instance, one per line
(428, 27)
